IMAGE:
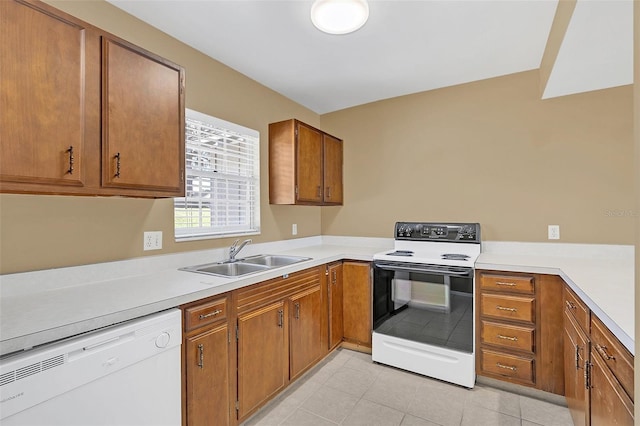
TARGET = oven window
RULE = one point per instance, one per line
(428, 308)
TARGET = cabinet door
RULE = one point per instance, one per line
(308, 164)
(610, 404)
(576, 353)
(332, 170)
(336, 327)
(142, 120)
(356, 299)
(262, 356)
(43, 102)
(305, 343)
(207, 377)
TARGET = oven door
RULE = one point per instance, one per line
(430, 304)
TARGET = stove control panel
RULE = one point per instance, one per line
(447, 232)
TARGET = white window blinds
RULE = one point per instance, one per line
(222, 180)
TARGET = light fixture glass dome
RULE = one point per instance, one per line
(339, 16)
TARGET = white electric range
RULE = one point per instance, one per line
(423, 316)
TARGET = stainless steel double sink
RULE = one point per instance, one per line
(248, 265)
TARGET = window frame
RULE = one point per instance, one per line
(247, 178)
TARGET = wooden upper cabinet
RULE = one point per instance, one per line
(42, 96)
(142, 120)
(84, 112)
(309, 164)
(332, 155)
(305, 165)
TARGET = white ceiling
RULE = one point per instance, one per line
(405, 47)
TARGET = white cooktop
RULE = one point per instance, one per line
(430, 252)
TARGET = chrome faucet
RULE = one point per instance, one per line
(235, 249)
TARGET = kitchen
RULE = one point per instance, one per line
(552, 148)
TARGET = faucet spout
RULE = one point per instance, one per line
(235, 249)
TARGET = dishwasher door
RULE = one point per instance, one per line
(127, 374)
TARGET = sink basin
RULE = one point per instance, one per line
(273, 261)
(235, 269)
(241, 267)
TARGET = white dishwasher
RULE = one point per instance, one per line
(126, 374)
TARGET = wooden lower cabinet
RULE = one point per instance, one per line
(281, 334)
(576, 359)
(519, 320)
(610, 404)
(207, 376)
(262, 356)
(336, 317)
(598, 368)
(305, 330)
(356, 300)
(206, 361)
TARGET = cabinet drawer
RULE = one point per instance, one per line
(577, 308)
(510, 283)
(508, 365)
(508, 336)
(204, 314)
(614, 355)
(517, 308)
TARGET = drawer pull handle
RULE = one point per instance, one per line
(513, 339)
(503, 308)
(507, 367)
(281, 318)
(506, 283)
(117, 157)
(210, 314)
(201, 355)
(602, 350)
(71, 159)
(570, 304)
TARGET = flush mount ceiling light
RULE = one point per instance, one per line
(339, 16)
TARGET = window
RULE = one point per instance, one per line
(222, 196)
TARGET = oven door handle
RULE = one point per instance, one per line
(422, 269)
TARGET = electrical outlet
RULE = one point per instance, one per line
(152, 240)
(294, 229)
(554, 232)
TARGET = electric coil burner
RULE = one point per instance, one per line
(423, 300)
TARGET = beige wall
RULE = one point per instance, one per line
(636, 116)
(488, 151)
(492, 152)
(39, 232)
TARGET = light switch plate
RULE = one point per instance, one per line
(152, 240)
(294, 229)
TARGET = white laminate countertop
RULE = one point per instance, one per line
(43, 306)
(601, 275)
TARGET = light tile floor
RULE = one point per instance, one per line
(347, 388)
